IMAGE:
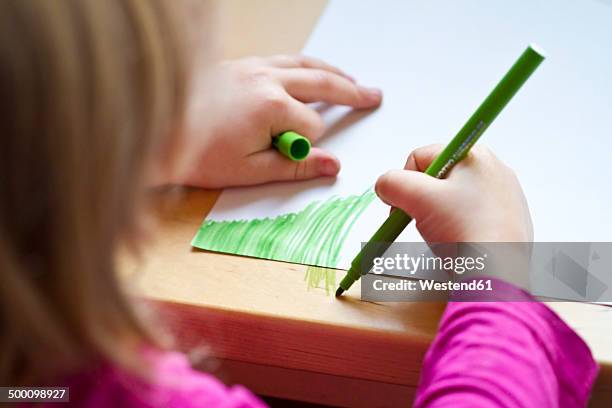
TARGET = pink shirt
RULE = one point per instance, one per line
(505, 354)
(174, 384)
(487, 354)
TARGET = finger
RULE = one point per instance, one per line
(299, 118)
(414, 192)
(303, 61)
(270, 165)
(479, 159)
(419, 159)
(317, 85)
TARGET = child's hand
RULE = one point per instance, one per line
(480, 201)
(242, 104)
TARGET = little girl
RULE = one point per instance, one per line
(102, 99)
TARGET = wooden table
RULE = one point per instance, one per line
(258, 322)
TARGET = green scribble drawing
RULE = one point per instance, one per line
(316, 274)
(312, 236)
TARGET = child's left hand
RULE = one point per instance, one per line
(240, 105)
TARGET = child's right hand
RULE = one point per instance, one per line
(481, 200)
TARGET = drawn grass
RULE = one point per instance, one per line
(312, 236)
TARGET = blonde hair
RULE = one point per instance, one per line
(90, 94)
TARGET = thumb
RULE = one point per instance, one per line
(414, 192)
(270, 165)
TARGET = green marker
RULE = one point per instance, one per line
(456, 150)
(293, 145)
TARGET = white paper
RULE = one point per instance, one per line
(436, 61)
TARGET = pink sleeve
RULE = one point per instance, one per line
(172, 384)
(177, 384)
(505, 354)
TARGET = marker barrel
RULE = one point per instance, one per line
(486, 113)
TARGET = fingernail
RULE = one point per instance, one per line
(329, 167)
(376, 189)
(382, 179)
(373, 94)
(380, 196)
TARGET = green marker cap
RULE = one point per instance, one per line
(293, 145)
